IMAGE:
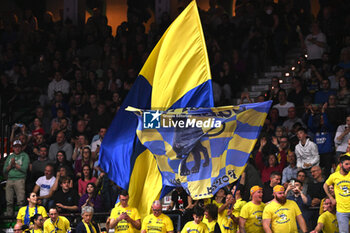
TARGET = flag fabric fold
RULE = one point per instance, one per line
(202, 149)
(175, 75)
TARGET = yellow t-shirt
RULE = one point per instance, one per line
(342, 190)
(61, 225)
(31, 211)
(237, 207)
(253, 214)
(195, 228)
(123, 225)
(153, 224)
(211, 225)
(283, 217)
(329, 221)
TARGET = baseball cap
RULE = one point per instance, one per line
(254, 189)
(278, 188)
(17, 143)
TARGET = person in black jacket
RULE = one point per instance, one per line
(86, 224)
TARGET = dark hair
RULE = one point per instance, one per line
(35, 217)
(64, 156)
(344, 158)
(302, 129)
(95, 189)
(301, 171)
(212, 210)
(82, 173)
(64, 179)
(296, 180)
(199, 211)
(124, 193)
(275, 173)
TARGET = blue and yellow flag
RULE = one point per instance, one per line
(175, 75)
(202, 149)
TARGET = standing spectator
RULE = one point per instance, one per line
(283, 104)
(302, 200)
(15, 169)
(39, 165)
(196, 225)
(272, 161)
(95, 145)
(340, 180)
(99, 119)
(85, 179)
(211, 218)
(157, 220)
(91, 198)
(81, 142)
(292, 119)
(60, 144)
(56, 222)
(322, 96)
(58, 84)
(275, 179)
(26, 212)
(327, 222)
(298, 93)
(85, 160)
(37, 127)
(334, 113)
(281, 215)
(291, 170)
(306, 152)
(343, 94)
(251, 213)
(44, 184)
(341, 138)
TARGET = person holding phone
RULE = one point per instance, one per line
(341, 138)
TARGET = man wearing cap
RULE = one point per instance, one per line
(15, 169)
(280, 214)
(341, 181)
(251, 214)
(157, 221)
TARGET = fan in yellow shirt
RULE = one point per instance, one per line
(38, 222)
(157, 222)
(26, 212)
(280, 214)
(55, 223)
(327, 222)
(210, 219)
(124, 218)
(341, 182)
(196, 226)
(251, 214)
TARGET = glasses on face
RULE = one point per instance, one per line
(157, 210)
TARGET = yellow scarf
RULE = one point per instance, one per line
(87, 228)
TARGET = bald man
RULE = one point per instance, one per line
(18, 228)
(157, 221)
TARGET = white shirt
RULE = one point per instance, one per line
(314, 51)
(307, 154)
(45, 185)
(283, 109)
(95, 144)
(343, 144)
(62, 85)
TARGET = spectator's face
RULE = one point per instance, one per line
(331, 190)
(291, 157)
(220, 193)
(282, 97)
(33, 198)
(157, 210)
(43, 152)
(37, 122)
(316, 172)
(86, 153)
(279, 132)
(280, 197)
(81, 140)
(272, 160)
(87, 217)
(65, 185)
(325, 85)
(60, 113)
(301, 176)
(342, 82)
(63, 172)
(297, 185)
(39, 139)
(93, 99)
(332, 100)
(86, 171)
(102, 132)
(60, 138)
(53, 215)
(275, 180)
(197, 219)
(63, 124)
(284, 143)
(274, 82)
(48, 172)
(90, 189)
(58, 76)
(327, 205)
(257, 196)
(60, 157)
(345, 165)
(124, 200)
(348, 121)
(17, 149)
(39, 222)
(291, 113)
(58, 97)
(81, 126)
(23, 139)
(301, 135)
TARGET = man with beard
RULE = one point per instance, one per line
(251, 213)
(341, 181)
(280, 214)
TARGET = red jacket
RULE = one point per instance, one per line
(266, 171)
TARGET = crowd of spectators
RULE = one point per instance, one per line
(76, 76)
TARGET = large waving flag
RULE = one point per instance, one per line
(203, 149)
(175, 75)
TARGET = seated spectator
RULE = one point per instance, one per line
(283, 104)
(91, 198)
(58, 84)
(280, 131)
(66, 198)
(56, 222)
(292, 119)
(197, 225)
(334, 113)
(59, 104)
(250, 177)
(343, 94)
(331, 192)
(327, 222)
(323, 132)
(38, 129)
(81, 142)
(44, 184)
(38, 223)
(26, 212)
(302, 200)
(15, 168)
(297, 93)
(85, 179)
(37, 142)
(275, 179)
(60, 144)
(39, 165)
(85, 160)
(62, 161)
(87, 225)
(322, 96)
(158, 220)
(62, 172)
(302, 177)
(272, 161)
(341, 138)
(306, 152)
(95, 145)
(291, 170)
